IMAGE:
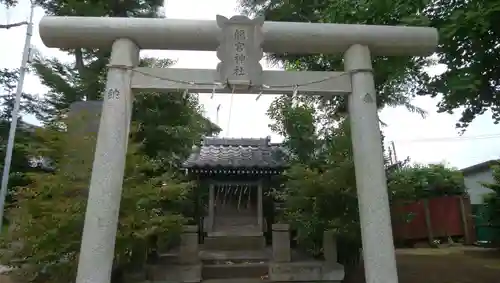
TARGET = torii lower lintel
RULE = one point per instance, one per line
(275, 82)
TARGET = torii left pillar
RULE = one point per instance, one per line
(101, 217)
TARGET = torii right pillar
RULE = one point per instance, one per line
(376, 230)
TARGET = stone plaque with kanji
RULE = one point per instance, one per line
(240, 51)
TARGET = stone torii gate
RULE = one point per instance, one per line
(127, 36)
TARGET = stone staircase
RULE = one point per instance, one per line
(234, 243)
(234, 256)
(243, 259)
(236, 280)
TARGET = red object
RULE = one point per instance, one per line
(445, 219)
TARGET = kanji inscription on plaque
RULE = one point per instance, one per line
(240, 50)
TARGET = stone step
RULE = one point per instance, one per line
(168, 258)
(237, 280)
(231, 243)
(174, 273)
(240, 256)
(237, 270)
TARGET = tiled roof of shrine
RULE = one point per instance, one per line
(241, 153)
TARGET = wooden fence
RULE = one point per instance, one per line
(429, 219)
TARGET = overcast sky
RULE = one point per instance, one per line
(429, 140)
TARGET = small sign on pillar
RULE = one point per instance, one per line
(240, 51)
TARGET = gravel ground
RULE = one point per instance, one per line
(445, 265)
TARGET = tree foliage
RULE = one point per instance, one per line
(468, 48)
(8, 84)
(155, 199)
(397, 79)
(9, 3)
(182, 121)
(319, 189)
(321, 195)
(469, 37)
(492, 203)
(21, 159)
(53, 207)
(414, 182)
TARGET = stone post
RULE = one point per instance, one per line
(371, 183)
(330, 247)
(211, 209)
(281, 243)
(82, 126)
(260, 207)
(189, 250)
(428, 222)
(103, 205)
(89, 112)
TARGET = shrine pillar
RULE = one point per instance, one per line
(103, 205)
(260, 207)
(376, 230)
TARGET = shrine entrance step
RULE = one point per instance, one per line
(234, 242)
(237, 280)
(230, 257)
(235, 270)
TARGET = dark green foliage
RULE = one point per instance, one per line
(8, 83)
(97, 8)
(21, 159)
(49, 218)
(9, 3)
(397, 79)
(425, 181)
(492, 203)
(469, 37)
(319, 190)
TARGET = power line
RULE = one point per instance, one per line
(451, 139)
(230, 113)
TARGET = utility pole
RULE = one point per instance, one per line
(15, 115)
(230, 112)
(390, 156)
(217, 116)
(394, 152)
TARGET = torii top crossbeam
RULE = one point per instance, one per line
(280, 37)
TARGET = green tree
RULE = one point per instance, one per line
(182, 123)
(469, 37)
(319, 191)
(53, 207)
(397, 79)
(170, 123)
(165, 126)
(414, 182)
(467, 47)
(21, 158)
(9, 3)
(492, 203)
(83, 79)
